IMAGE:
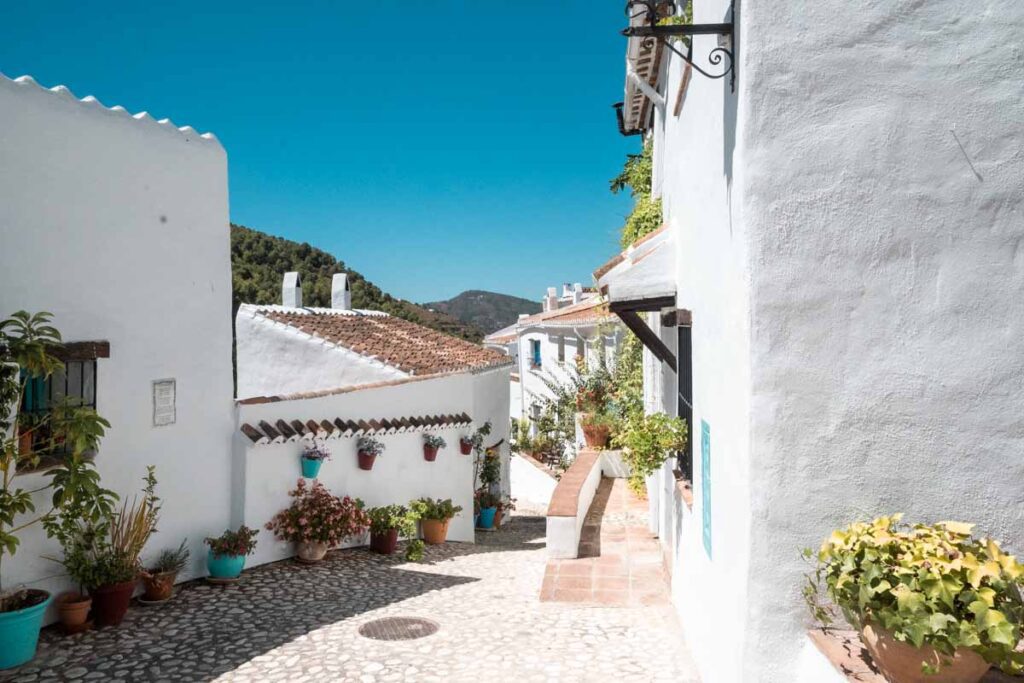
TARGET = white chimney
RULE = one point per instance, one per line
(291, 291)
(577, 292)
(551, 300)
(341, 295)
(566, 292)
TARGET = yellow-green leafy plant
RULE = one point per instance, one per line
(646, 442)
(933, 585)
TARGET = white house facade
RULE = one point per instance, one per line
(118, 225)
(838, 310)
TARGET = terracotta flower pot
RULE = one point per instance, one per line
(384, 542)
(465, 447)
(497, 518)
(366, 460)
(312, 551)
(596, 436)
(435, 531)
(159, 587)
(73, 609)
(901, 662)
(430, 453)
(110, 603)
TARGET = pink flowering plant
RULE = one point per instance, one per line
(317, 515)
(316, 451)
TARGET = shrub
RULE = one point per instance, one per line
(316, 515)
(370, 446)
(430, 508)
(647, 441)
(233, 543)
(931, 585)
(387, 517)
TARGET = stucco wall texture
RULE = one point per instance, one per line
(851, 243)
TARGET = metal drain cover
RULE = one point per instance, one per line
(398, 628)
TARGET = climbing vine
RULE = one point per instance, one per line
(636, 175)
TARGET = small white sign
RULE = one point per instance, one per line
(163, 402)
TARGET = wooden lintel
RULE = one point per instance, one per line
(83, 350)
(634, 305)
(647, 337)
(679, 317)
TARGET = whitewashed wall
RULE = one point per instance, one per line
(119, 227)
(267, 472)
(848, 229)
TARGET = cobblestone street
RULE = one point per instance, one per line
(290, 622)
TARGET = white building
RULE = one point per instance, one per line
(336, 374)
(839, 297)
(118, 225)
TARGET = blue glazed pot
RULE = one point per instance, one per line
(224, 566)
(487, 517)
(311, 467)
(19, 633)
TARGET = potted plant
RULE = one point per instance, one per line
(387, 523)
(488, 508)
(227, 554)
(159, 579)
(505, 507)
(368, 449)
(317, 520)
(465, 445)
(646, 442)
(929, 600)
(597, 428)
(313, 456)
(27, 345)
(73, 610)
(434, 516)
(431, 444)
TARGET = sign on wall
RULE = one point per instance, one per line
(163, 402)
(705, 483)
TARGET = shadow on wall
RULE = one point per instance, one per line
(729, 102)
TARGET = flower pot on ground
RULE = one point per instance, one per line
(929, 600)
(73, 609)
(159, 578)
(431, 444)
(19, 626)
(110, 602)
(369, 450)
(317, 520)
(505, 507)
(226, 557)
(434, 516)
(597, 428)
(313, 456)
(488, 503)
(387, 523)
(646, 442)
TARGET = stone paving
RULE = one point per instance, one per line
(292, 622)
(620, 561)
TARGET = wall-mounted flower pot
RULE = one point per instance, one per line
(465, 446)
(435, 531)
(311, 551)
(110, 603)
(311, 467)
(73, 610)
(901, 662)
(19, 630)
(430, 453)
(159, 587)
(366, 460)
(487, 517)
(224, 566)
(384, 542)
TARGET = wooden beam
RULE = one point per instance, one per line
(647, 337)
(679, 317)
(652, 304)
(83, 350)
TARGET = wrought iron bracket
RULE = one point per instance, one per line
(664, 33)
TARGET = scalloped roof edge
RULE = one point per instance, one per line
(93, 103)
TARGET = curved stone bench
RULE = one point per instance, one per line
(569, 504)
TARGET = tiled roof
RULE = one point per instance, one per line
(592, 310)
(399, 343)
(293, 430)
(502, 336)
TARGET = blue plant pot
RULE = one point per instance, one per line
(224, 566)
(19, 634)
(311, 467)
(487, 517)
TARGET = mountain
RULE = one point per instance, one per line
(259, 261)
(487, 311)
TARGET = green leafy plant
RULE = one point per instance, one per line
(683, 19)
(647, 441)
(933, 585)
(169, 561)
(646, 215)
(370, 446)
(317, 515)
(431, 508)
(434, 441)
(387, 517)
(68, 432)
(233, 543)
(414, 550)
(486, 499)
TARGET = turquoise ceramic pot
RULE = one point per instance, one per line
(487, 517)
(311, 467)
(19, 633)
(224, 566)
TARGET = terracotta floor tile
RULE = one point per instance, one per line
(611, 571)
(612, 597)
(572, 595)
(580, 568)
(619, 583)
(572, 582)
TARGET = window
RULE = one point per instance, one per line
(535, 354)
(561, 349)
(76, 384)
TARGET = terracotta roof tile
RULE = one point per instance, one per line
(338, 427)
(399, 343)
(594, 309)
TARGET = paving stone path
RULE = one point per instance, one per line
(291, 622)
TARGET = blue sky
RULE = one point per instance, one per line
(433, 146)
